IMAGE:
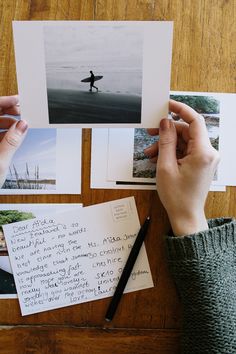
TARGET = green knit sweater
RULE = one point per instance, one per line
(204, 269)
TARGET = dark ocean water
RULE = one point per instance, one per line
(78, 107)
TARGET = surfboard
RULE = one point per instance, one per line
(96, 78)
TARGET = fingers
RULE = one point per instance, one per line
(197, 126)
(6, 122)
(8, 102)
(183, 138)
(9, 105)
(153, 131)
(152, 150)
(181, 129)
(188, 114)
(192, 127)
(167, 145)
(13, 111)
(12, 140)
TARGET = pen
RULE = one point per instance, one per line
(127, 271)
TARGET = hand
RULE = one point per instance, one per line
(13, 134)
(186, 163)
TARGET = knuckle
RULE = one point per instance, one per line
(201, 118)
(163, 169)
(12, 140)
(211, 157)
(167, 140)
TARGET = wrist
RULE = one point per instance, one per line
(189, 224)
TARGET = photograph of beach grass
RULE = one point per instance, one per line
(207, 106)
(94, 73)
(34, 164)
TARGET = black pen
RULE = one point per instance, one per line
(127, 270)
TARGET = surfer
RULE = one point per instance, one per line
(92, 79)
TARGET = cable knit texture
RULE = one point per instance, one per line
(204, 268)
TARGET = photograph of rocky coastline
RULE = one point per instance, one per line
(207, 106)
(142, 167)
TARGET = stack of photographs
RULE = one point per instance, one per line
(124, 164)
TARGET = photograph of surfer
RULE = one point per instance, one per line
(92, 79)
(85, 53)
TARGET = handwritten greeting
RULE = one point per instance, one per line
(75, 256)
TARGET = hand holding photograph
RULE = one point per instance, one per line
(93, 73)
(125, 166)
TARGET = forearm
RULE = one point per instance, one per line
(203, 266)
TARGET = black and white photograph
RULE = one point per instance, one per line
(87, 74)
(94, 73)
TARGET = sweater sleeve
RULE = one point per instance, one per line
(204, 269)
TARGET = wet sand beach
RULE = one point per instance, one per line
(84, 107)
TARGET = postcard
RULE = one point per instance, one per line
(44, 163)
(127, 162)
(62, 260)
(93, 73)
(17, 212)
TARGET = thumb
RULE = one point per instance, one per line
(12, 140)
(167, 144)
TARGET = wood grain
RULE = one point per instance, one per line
(67, 340)
(204, 59)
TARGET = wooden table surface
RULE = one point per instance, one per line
(147, 321)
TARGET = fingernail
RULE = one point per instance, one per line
(165, 124)
(21, 126)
